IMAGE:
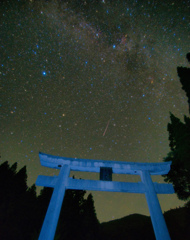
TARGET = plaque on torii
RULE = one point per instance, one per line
(62, 182)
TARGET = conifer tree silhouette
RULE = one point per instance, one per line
(179, 137)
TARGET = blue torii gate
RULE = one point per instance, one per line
(62, 182)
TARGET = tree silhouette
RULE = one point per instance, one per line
(90, 221)
(184, 75)
(22, 212)
(78, 217)
(17, 203)
(179, 137)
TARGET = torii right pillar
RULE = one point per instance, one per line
(157, 218)
(105, 168)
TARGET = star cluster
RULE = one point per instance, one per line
(70, 71)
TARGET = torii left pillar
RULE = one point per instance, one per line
(52, 215)
(62, 182)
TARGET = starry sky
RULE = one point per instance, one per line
(95, 80)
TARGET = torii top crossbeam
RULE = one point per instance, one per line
(62, 182)
(89, 165)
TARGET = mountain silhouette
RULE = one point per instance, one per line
(137, 226)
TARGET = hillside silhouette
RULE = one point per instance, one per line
(137, 226)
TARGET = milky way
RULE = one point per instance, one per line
(68, 70)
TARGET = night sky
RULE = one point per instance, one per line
(92, 79)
